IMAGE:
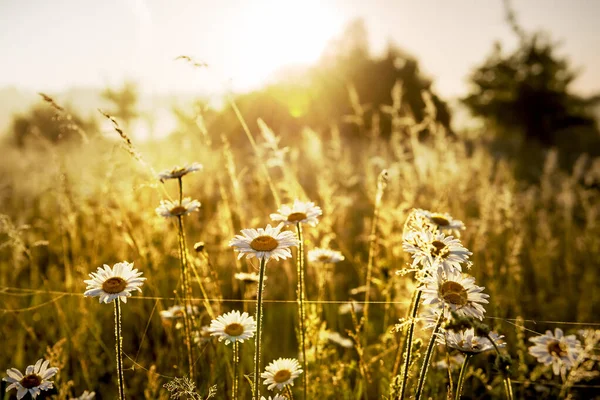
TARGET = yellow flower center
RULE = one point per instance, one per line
(264, 243)
(323, 258)
(557, 348)
(114, 285)
(454, 293)
(439, 249)
(178, 210)
(234, 329)
(296, 217)
(440, 220)
(282, 375)
(31, 381)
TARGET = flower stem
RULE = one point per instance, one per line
(461, 377)
(301, 311)
(409, 341)
(259, 305)
(236, 360)
(288, 389)
(428, 353)
(119, 349)
(505, 372)
(187, 306)
(381, 185)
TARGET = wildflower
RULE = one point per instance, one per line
(245, 277)
(178, 172)
(281, 373)
(299, 212)
(451, 362)
(442, 222)
(325, 256)
(169, 208)
(86, 396)
(202, 336)
(233, 327)
(338, 339)
(453, 291)
(175, 313)
(556, 349)
(350, 306)
(467, 342)
(429, 249)
(109, 284)
(277, 397)
(33, 382)
(265, 243)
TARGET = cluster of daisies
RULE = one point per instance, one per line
(438, 259)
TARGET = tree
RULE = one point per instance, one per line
(124, 102)
(527, 92)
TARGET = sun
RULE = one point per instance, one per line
(275, 34)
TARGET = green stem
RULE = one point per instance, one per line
(187, 306)
(461, 377)
(505, 373)
(180, 181)
(428, 353)
(259, 305)
(236, 360)
(409, 341)
(119, 349)
(301, 311)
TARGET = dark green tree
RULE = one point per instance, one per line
(527, 92)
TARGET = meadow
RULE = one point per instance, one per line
(68, 209)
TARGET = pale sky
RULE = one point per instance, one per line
(53, 45)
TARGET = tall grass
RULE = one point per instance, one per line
(67, 210)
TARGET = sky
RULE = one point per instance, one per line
(56, 45)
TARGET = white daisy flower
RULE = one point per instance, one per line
(299, 212)
(265, 243)
(338, 339)
(202, 336)
(245, 277)
(467, 342)
(113, 283)
(169, 208)
(33, 382)
(233, 327)
(281, 373)
(325, 256)
(85, 396)
(177, 171)
(176, 313)
(453, 291)
(429, 249)
(347, 307)
(277, 397)
(556, 349)
(442, 222)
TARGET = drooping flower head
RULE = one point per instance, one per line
(467, 342)
(325, 256)
(265, 243)
(556, 349)
(299, 212)
(453, 291)
(431, 249)
(439, 222)
(178, 172)
(233, 327)
(170, 208)
(281, 372)
(111, 283)
(33, 382)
